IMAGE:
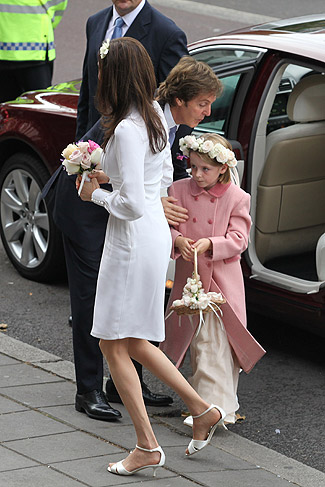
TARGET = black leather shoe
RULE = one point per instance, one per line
(95, 405)
(150, 398)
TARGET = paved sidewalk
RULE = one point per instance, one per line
(44, 442)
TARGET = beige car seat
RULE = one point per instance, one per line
(290, 214)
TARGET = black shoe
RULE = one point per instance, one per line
(95, 405)
(150, 399)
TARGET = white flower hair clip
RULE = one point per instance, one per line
(215, 151)
(103, 51)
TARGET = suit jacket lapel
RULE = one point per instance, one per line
(103, 25)
(141, 24)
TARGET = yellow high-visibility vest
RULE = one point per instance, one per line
(27, 29)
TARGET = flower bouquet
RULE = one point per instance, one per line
(195, 301)
(82, 158)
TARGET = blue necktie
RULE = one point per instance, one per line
(117, 32)
(172, 134)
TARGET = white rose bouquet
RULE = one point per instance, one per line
(82, 158)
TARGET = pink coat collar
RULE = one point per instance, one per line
(217, 190)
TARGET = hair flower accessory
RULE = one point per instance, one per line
(104, 48)
(215, 151)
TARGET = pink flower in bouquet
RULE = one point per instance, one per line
(76, 157)
(83, 146)
(92, 146)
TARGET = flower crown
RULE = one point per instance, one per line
(104, 48)
(214, 151)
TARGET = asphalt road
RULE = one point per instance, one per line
(283, 397)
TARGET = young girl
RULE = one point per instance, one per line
(218, 227)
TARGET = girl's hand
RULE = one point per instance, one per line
(184, 245)
(202, 245)
(101, 177)
(88, 188)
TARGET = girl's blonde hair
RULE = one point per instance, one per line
(216, 138)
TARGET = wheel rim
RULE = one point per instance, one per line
(24, 218)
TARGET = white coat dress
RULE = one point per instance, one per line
(131, 281)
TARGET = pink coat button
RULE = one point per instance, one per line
(196, 198)
(212, 200)
(194, 220)
(210, 221)
(208, 264)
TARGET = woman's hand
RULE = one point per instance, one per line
(202, 245)
(184, 245)
(174, 214)
(88, 188)
(101, 177)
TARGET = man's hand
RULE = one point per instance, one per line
(174, 214)
(202, 245)
(184, 245)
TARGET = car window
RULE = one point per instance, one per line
(225, 56)
(278, 116)
(231, 64)
(221, 108)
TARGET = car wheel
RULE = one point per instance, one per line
(29, 236)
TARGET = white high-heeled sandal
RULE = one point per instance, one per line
(119, 469)
(197, 445)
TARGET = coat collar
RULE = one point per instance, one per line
(217, 190)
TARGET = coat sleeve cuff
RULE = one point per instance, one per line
(99, 196)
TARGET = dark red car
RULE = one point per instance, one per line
(272, 109)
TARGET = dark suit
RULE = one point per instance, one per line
(164, 41)
(83, 224)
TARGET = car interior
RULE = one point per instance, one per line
(288, 183)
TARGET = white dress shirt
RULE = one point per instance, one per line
(169, 118)
(170, 124)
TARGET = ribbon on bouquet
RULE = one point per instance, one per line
(202, 322)
(84, 178)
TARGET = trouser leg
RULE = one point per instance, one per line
(82, 267)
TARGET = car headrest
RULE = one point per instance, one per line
(307, 100)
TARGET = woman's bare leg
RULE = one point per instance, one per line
(156, 361)
(128, 385)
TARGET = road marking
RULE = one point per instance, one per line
(213, 11)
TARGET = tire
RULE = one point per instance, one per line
(28, 233)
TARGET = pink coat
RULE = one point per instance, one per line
(222, 215)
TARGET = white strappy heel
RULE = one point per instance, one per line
(119, 469)
(197, 445)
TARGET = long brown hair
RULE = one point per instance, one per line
(127, 80)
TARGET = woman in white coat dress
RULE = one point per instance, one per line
(129, 307)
